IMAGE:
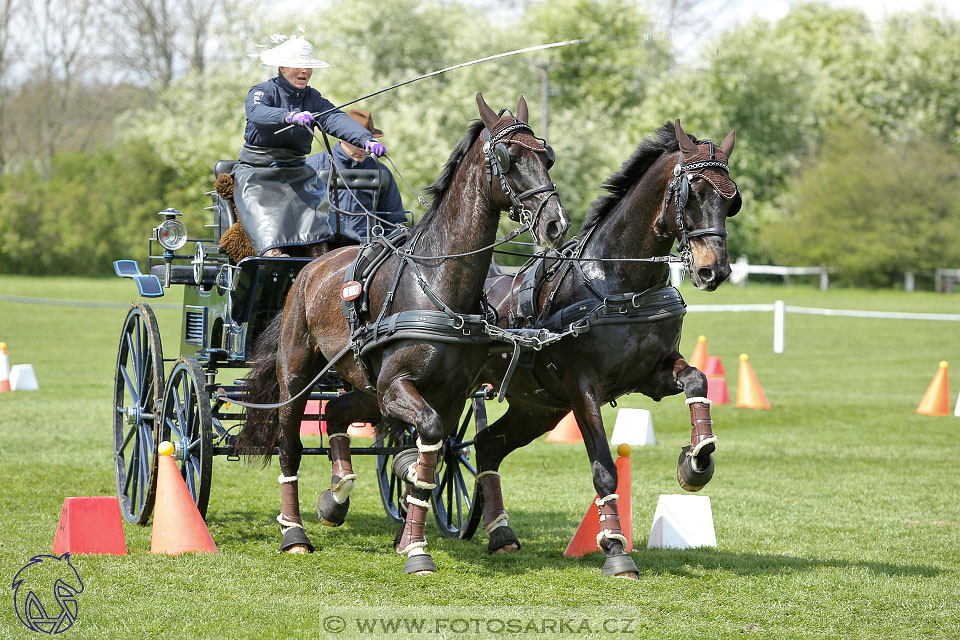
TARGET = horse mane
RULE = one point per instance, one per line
(439, 187)
(663, 140)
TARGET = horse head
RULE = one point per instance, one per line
(517, 165)
(699, 199)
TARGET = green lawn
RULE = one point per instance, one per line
(836, 511)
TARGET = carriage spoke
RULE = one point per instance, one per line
(462, 489)
(465, 462)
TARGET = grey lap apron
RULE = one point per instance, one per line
(279, 199)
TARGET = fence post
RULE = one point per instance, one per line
(676, 274)
(909, 282)
(824, 278)
(778, 310)
(937, 275)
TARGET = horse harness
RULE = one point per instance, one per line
(497, 164)
(679, 189)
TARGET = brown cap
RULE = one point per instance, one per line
(365, 119)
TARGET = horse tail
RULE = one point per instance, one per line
(261, 430)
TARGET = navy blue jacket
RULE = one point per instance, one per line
(389, 203)
(268, 103)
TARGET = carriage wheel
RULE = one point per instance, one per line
(453, 498)
(392, 486)
(188, 423)
(137, 389)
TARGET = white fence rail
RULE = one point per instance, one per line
(780, 310)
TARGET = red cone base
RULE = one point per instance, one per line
(90, 525)
(585, 539)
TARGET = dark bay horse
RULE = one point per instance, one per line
(497, 166)
(673, 187)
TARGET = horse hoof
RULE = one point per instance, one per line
(689, 475)
(331, 512)
(503, 540)
(421, 565)
(295, 540)
(620, 565)
(298, 548)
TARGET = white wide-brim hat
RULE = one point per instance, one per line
(295, 52)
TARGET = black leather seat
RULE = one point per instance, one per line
(223, 166)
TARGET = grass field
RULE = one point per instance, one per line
(836, 511)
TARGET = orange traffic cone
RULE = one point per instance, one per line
(177, 525)
(566, 432)
(749, 392)
(584, 541)
(700, 355)
(936, 401)
(717, 390)
(4, 368)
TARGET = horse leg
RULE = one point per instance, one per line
(695, 465)
(586, 408)
(518, 427)
(340, 413)
(295, 369)
(403, 402)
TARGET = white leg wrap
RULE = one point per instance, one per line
(286, 524)
(419, 503)
(423, 485)
(413, 546)
(500, 521)
(429, 447)
(610, 498)
(342, 492)
(331, 436)
(706, 401)
(416, 551)
(285, 479)
(487, 473)
(411, 476)
(350, 477)
(611, 536)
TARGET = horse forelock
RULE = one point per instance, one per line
(650, 149)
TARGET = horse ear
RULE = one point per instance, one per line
(486, 113)
(686, 145)
(523, 114)
(727, 145)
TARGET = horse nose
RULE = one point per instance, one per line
(707, 275)
(556, 229)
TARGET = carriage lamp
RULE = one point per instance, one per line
(171, 233)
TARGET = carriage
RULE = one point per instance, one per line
(187, 399)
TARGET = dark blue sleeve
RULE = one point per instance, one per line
(337, 123)
(261, 107)
(319, 161)
(390, 200)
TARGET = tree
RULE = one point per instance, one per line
(872, 210)
(8, 9)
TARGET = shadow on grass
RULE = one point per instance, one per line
(372, 533)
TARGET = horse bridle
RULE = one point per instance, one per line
(497, 163)
(679, 188)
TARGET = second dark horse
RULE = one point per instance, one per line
(673, 187)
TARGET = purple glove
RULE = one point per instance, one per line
(374, 148)
(302, 118)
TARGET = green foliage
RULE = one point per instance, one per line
(92, 210)
(873, 210)
(782, 85)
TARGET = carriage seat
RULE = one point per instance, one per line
(224, 166)
(371, 179)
